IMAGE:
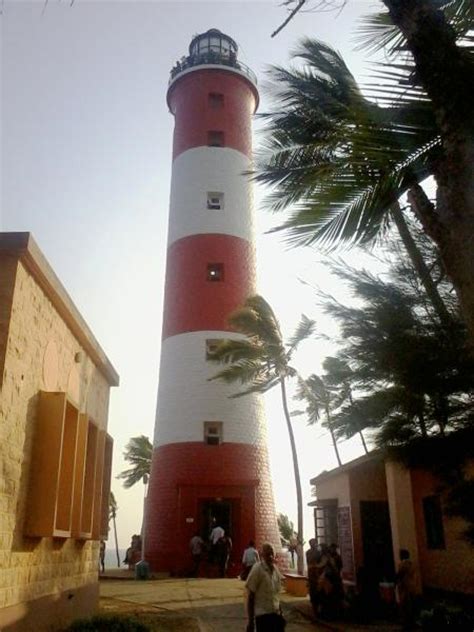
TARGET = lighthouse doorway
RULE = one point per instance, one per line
(221, 510)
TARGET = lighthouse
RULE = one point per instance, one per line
(210, 460)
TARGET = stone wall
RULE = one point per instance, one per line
(41, 354)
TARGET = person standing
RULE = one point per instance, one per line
(102, 556)
(196, 544)
(313, 558)
(406, 590)
(217, 532)
(263, 594)
(223, 549)
(249, 558)
(292, 548)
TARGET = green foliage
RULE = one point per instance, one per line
(319, 397)
(113, 506)
(138, 452)
(411, 378)
(115, 623)
(285, 527)
(338, 158)
(260, 361)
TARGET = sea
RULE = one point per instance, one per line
(111, 557)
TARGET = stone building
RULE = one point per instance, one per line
(55, 453)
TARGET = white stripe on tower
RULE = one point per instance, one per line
(201, 170)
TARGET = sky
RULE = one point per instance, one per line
(86, 165)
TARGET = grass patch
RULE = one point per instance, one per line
(114, 623)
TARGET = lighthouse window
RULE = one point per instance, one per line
(215, 201)
(216, 100)
(213, 432)
(215, 271)
(215, 139)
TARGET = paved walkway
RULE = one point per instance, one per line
(217, 604)
(213, 605)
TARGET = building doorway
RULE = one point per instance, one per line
(377, 540)
(221, 510)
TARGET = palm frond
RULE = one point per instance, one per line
(377, 32)
(243, 371)
(258, 386)
(304, 330)
(232, 350)
(338, 158)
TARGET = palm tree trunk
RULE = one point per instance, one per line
(422, 423)
(422, 23)
(420, 265)
(333, 436)
(299, 495)
(362, 438)
(116, 540)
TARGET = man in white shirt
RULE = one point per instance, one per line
(249, 558)
(217, 532)
(263, 594)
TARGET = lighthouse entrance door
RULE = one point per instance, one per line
(221, 510)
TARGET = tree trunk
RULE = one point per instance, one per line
(447, 74)
(333, 437)
(422, 424)
(362, 438)
(116, 540)
(420, 266)
(299, 495)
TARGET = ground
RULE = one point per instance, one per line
(188, 605)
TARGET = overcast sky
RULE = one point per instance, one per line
(86, 164)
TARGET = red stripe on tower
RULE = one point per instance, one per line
(210, 457)
(212, 273)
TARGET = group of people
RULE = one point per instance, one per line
(218, 549)
(324, 578)
(324, 563)
(134, 552)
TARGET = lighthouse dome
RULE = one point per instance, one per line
(213, 41)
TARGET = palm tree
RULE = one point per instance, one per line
(319, 397)
(138, 452)
(112, 516)
(286, 527)
(412, 380)
(430, 36)
(341, 160)
(261, 361)
(339, 375)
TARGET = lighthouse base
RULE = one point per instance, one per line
(195, 483)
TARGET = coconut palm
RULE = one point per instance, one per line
(428, 37)
(342, 160)
(319, 397)
(112, 516)
(261, 361)
(138, 452)
(338, 374)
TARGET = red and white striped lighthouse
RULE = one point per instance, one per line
(210, 456)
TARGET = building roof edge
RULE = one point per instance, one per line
(375, 455)
(28, 252)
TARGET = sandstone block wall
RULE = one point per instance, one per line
(38, 352)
